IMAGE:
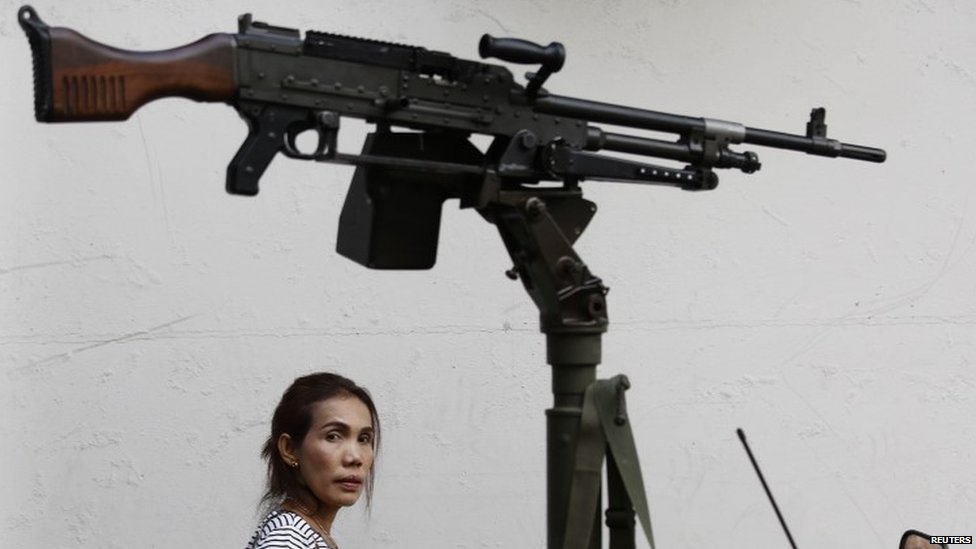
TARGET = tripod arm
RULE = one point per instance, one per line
(605, 431)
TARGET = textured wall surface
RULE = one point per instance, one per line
(150, 321)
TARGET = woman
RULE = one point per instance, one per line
(324, 437)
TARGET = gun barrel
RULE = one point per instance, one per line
(594, 111)
(819, 146)
(860, 152)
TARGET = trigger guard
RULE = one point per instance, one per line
(291, 149)
(326, 126)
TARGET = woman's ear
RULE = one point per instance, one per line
(287, 450)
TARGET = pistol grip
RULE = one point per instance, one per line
(267, 132)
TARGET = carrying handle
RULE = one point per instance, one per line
(516, 50)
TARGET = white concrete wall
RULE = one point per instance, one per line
(150, 321)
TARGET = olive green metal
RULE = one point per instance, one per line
(574, 348)
(570, 378)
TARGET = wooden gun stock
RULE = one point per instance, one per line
(77, 79)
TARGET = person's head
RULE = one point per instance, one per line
(324, 436)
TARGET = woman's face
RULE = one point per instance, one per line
(337, 452)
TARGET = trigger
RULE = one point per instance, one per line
(328, 125)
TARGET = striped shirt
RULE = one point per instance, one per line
(286, 530)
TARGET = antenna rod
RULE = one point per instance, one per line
(742, 437)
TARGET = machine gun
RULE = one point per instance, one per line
(284, 85)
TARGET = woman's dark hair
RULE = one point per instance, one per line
(294, 417)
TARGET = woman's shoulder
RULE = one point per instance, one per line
(286, 530)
